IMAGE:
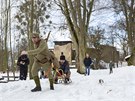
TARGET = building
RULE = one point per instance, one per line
(65, 47)
(104, 52)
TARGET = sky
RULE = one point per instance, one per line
(118, 86)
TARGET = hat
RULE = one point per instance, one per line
(35, 35)
(23, 52)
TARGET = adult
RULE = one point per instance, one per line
(87, 63)
(23, 62)
(42, 58)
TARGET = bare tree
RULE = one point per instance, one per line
(5, 23)
(127, 7)
(77, 14)
(31, 17)
(95, 36)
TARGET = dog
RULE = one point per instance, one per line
(101, 81)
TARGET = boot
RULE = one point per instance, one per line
(51, 84)
(56, 81)
(66, 80)
(36, 89)
(37, 82)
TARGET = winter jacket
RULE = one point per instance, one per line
(87, 61)
(111, 65)
(62, 57)
(41, 52)
(24, 59)
(65, 67)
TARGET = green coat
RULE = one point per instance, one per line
(42, 58)
(40, 53)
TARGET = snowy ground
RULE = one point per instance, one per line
(119, 86)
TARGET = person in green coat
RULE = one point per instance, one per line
(42, 58)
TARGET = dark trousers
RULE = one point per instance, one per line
(23, 73)
(111, 70)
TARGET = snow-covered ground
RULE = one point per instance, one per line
(119, 86)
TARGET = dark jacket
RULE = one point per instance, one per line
(62, 57)
(87, 61)
(65, 67)
(25, 60)
(111, 65)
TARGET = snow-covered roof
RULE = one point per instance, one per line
(127, 56)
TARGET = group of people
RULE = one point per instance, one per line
(44, 58)
(63, 70)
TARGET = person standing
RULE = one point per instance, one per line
(23, 62)
(62, 56)
(42, 58)
(111, 66)
(87, 62)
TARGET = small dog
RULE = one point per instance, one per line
(101, 81)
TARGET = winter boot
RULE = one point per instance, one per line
(36, 89)
(56, 81)
(66, 80)
(37, 82)
(51, 84)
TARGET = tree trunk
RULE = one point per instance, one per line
(6, 32)
(30, 41)
(2, 43)
(77, 17)
(129, 12)
(79, 60)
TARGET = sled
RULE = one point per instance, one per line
(61, 77)
(62, 81)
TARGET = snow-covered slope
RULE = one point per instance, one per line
(119, 86)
